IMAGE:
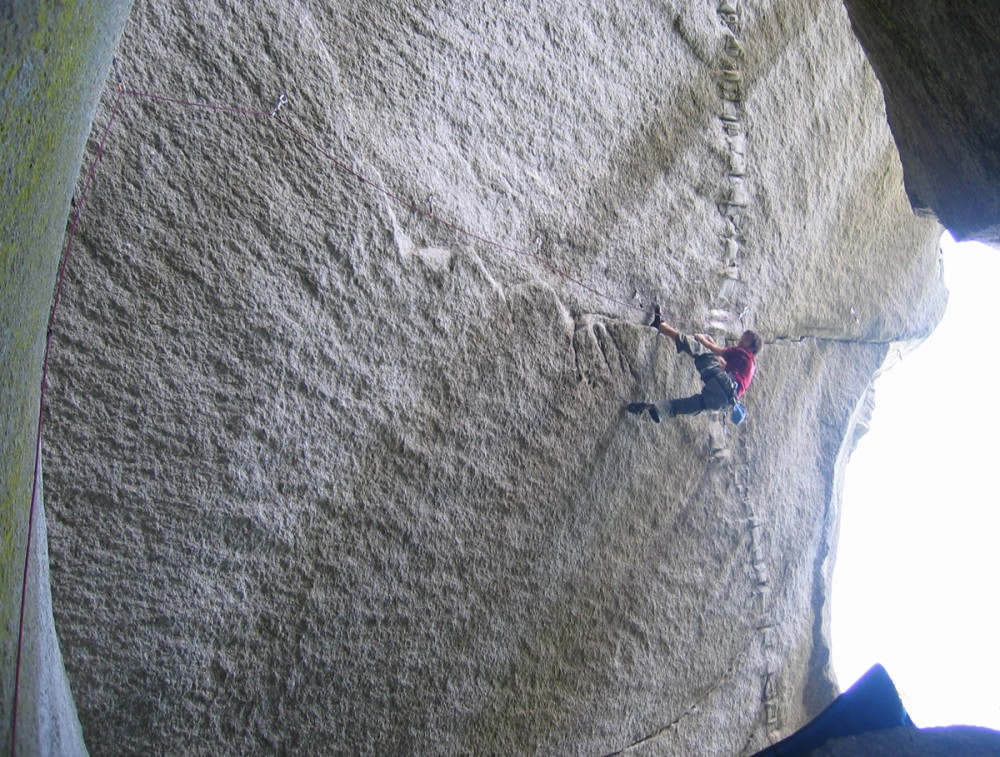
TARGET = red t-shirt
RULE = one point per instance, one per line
(741, 366)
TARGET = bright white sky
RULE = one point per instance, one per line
(917, 567)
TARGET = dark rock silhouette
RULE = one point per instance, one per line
(940, 77)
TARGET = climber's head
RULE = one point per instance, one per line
(751, 342)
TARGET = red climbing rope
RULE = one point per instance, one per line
(57, 295)
(203, 106)
(307, 141)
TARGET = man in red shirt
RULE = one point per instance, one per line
(725, 371)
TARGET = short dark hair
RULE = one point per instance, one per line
(751, 341)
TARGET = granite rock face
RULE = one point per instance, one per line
(939, 69)
(335, 451)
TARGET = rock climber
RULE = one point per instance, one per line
(725, 371)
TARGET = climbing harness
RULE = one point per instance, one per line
(738, 411)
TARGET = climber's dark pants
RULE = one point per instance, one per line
(719, 388)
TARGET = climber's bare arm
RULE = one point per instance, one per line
(667, 330)
(717, 349)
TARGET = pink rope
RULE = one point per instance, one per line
(204, 106)
(60, 280)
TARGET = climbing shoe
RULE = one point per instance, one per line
(638, 408)
(657, 317)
